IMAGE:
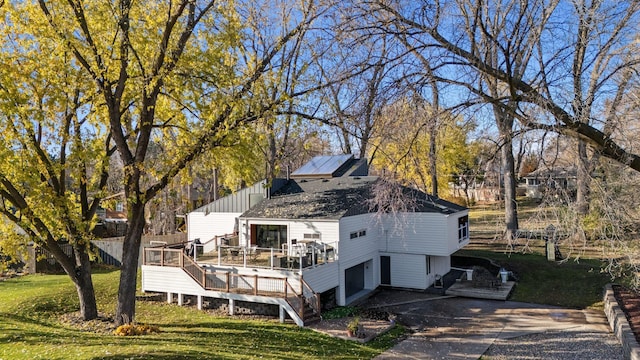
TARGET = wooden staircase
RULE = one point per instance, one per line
(309, 314)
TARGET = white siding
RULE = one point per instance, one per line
(328, 230)
(440, 265)
(420, 233)
(169, 279)
(206, 227)
(408, 271)
(363, 249)
(415, 233)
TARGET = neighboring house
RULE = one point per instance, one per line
(112, 216)
(319, 233)
(543, 180)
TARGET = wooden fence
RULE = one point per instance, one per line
(109, 251)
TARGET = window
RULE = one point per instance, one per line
(357, 234)
(268, 236)
(119, 206)
(314, 236)
(463, 228)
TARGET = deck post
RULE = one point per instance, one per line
(255, 284)
(244, 256)
(282, 314)
(231, 307)
(228, 279)
(199, 302)
(179, 299)
(169, 298)
(162, 256)
(219, 254)
(272, 258)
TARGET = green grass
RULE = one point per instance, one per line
(30, 309)
(573, 284)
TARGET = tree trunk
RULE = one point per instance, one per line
(78, 268)
(270, 172)
(126, 307)
(510, 206)
(84, 287)
(583, 180)
(433, 161)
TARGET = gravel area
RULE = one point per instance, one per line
(558, 345)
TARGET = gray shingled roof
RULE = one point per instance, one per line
(333, 199)
(555, 173)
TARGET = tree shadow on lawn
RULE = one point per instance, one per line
(206, 340)
(277, 340)
(33, 331)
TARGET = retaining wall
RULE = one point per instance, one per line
(620, 325)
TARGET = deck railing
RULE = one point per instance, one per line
(266, 258)
(234, 283)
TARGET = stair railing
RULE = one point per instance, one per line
(310, 297)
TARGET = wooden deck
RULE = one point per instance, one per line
(159, 261)
(472, 290)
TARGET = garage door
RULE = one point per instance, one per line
(354, 279)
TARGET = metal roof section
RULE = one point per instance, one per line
(354, 167)
(323, 166)
(242, 200)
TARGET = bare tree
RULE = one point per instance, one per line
(363, 82)
(514, 53)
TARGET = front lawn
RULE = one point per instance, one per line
(31, 328)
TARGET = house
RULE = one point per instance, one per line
(112, 216)
(545, 180)
(314, 239)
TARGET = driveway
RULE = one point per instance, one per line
(463, 328)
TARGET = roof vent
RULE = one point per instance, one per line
(325, 180)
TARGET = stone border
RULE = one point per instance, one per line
(620, 325)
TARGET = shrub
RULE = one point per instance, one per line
(353, 325)
(339, 312)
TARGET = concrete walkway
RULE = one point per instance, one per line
(463, 328)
